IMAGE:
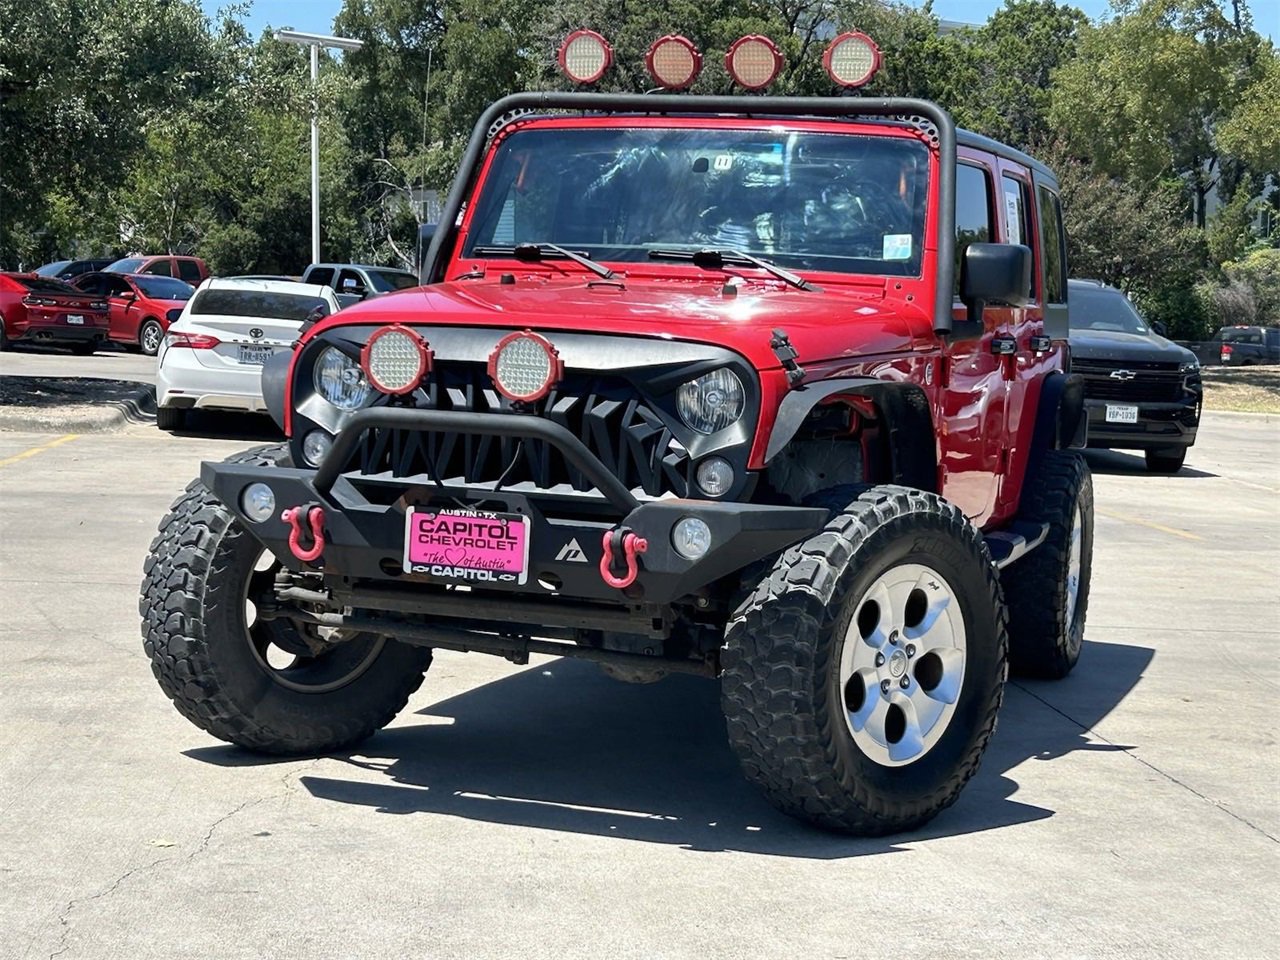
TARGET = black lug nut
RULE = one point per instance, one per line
(884, 686)
(879, 659)
(905, 682)
(893, 637)
(911, 649)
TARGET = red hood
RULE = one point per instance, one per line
(686, 309)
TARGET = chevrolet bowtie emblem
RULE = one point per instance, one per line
(1122, 374)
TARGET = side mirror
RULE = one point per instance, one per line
(994, 273)
(1159, 327)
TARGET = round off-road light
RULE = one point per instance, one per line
(753, 61)
(691, 537)
(258, 502)
(395, 359)
(673, 62)
(851, 59)
(315, 445)
(525, 366)
(585, 56)
(715, 476)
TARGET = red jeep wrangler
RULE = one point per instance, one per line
(762, 389)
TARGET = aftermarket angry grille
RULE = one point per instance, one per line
(605, 413)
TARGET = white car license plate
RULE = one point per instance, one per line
(255, 355)
(1119, 414)
(75, 318)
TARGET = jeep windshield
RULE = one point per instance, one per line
(843, 203)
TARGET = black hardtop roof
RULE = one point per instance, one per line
(967, 138)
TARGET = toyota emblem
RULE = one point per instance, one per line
(256, 333)
(1122, 374)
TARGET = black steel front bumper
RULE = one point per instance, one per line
(1159, 425)
(364, 516)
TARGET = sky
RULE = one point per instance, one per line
(316, 16)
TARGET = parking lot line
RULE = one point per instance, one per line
(1173, 531)
(65, 438)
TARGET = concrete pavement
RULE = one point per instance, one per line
(548, 811)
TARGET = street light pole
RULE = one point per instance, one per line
(315, 41)
(315, 154)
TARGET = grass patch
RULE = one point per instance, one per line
(1242, 389)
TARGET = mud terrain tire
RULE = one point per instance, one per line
(781, 690)
(195, 631)
(1046, 629)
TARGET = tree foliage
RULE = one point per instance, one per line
(178, 131)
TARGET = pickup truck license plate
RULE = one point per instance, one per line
(1121, 414)
(255, 355)
(76, 319)
(467, 546)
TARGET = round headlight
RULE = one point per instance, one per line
(715, 476)
(712, 402)
(340, 380)
(525, 366)
(315, 445)
(395, 359)
(258, 502)
(691, 537)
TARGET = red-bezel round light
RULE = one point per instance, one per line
(673, 41)
(563, 55)
(855, 36)
(555, 366)
(425, 358)
(753, 42)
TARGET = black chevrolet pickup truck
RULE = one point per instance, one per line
(1142, 392)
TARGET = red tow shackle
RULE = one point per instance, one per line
(631, 545)
(315, 517)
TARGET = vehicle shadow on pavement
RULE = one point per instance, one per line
(563, 747)
(217, 425)
(1116, 463)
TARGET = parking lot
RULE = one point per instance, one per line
(548, 811)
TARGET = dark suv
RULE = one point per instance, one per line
(1142, 392)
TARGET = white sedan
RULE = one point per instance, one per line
(212, 355)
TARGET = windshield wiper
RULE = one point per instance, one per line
(533, 252)
(716, 259)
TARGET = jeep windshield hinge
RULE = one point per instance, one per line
(781, 346)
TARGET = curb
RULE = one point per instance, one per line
(74, 405)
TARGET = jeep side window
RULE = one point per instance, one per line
(974, 222)
(1017, 215)
(1052, 248)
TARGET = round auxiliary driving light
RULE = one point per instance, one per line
(691, 537)
(258, 502)
(673, 62)
(525, 366)
(315, 446)
(395, 359)
(585, 56)
(851, 59)
(753, 61)
(715, 476)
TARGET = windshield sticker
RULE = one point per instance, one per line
(723, 161)
(897, 246)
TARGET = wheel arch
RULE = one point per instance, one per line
(903, 409)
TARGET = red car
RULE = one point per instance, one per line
(37, 309)
(191, 269)
(141, 307)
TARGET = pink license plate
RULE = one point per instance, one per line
(467, 546)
